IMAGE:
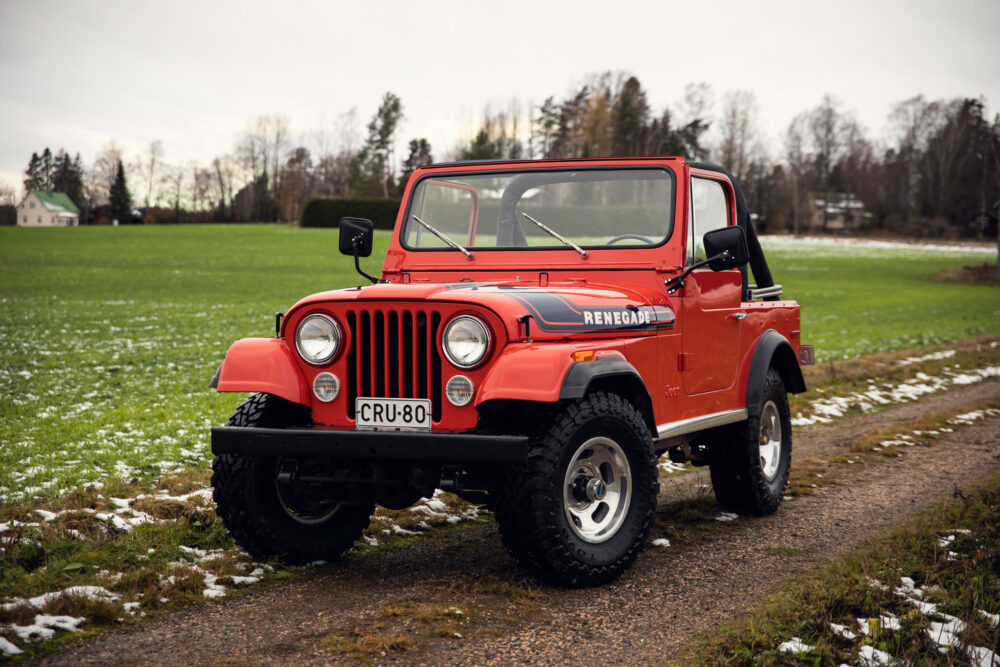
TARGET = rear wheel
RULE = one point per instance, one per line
(750, 462)
(579, 511)
(268, 512)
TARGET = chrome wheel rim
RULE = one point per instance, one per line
(303, 504)
(770, 440)
(597, 489)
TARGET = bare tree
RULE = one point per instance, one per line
(103, 172)
(739, 134)
(795, 155)
(7, 194)
(173, 179)
(150, 164)
(224, 169)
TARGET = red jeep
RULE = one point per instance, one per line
(541, 333)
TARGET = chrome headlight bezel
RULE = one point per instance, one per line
(336, 334)
(450, 354)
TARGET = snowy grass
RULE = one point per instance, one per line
(872, 296)
(902, 597)
(109, 336)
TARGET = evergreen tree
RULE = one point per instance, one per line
(46, 170)
(33, 177)
(371, 170)
(121, 200)
(420, 154)
(68, 177)
(630, 119)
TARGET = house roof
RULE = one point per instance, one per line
(56, 201)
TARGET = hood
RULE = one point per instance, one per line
(554, 311)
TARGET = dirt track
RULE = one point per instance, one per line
(666, 598)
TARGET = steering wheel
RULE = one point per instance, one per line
(627, 237)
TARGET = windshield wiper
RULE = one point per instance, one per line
(555, 234)
(442, 236)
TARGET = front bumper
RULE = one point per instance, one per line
(394, 445)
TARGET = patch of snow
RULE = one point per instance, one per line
(132, 608)
(875, 583)
(45, 626)
(982, 657)
(794, 646)
(946, 541)
(240, 581)
(661, 542)
(7, 648)
(923, 607)
(96, 593)
(726, 516)
(670, 466)
(869, 656)
(933, 356)
(842, 631)
(889, 621)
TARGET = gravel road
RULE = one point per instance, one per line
(663, 601)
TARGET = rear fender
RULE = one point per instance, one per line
(772, 349)
(264, 365)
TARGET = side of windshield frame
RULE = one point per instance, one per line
(500, 172)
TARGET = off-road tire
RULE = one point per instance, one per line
(738, 475)
(247, 501)
(530, 504)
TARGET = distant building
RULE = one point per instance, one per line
(837, 212)
(47, 208)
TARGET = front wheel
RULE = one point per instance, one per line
(579, 511)
(270, 514)
(750, 462)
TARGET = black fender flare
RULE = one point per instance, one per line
(582, 374)
(772, 349)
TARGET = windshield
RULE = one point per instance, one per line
(575, 210)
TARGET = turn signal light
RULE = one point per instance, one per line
(583, 356)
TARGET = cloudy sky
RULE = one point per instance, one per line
(77, 75)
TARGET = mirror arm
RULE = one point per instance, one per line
(677, 282)
(357, 259)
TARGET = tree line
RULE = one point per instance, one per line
(937, 173)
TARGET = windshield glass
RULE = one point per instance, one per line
(587, 208)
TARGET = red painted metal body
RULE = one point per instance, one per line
(695, 362)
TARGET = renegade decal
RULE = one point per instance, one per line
(555, 312)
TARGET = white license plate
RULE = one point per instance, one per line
(405, 413)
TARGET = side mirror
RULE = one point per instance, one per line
(356, 228)
(726, 248)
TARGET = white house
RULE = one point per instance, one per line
(47, 208)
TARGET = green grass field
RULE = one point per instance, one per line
(109, 336)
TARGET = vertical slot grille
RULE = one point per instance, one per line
(394, 355)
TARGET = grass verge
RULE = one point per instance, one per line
(927, 592)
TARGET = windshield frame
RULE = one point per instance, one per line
(672, 177)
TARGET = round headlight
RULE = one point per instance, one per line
(466, 341)
(317, 339)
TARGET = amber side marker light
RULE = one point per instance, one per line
(583, 356)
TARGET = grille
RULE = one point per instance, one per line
(394, 355)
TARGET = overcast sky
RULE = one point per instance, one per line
(77, 75)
